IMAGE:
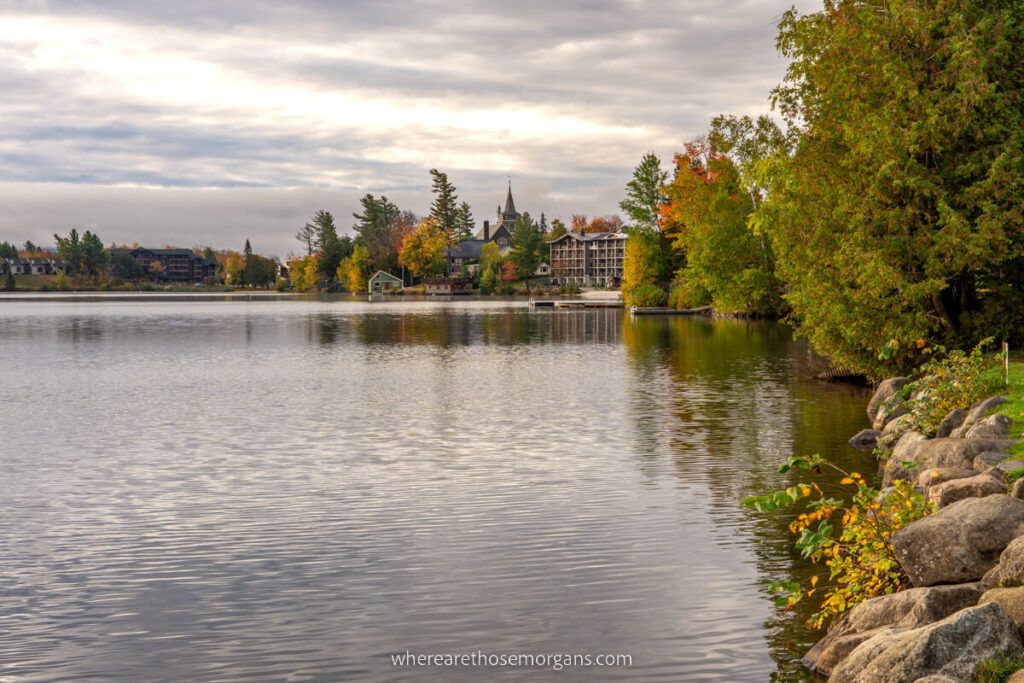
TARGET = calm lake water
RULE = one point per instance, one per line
(218, 489)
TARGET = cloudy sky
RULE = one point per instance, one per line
(194, 123)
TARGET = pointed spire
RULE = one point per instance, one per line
(510, 206)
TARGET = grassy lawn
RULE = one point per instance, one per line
(1014, 406)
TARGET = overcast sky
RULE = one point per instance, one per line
(192, 123)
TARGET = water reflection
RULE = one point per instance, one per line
(282, 489)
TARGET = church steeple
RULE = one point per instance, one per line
(510, 205)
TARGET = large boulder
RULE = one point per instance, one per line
(1009, 571)
(934, 476)
(1017, 677)
(885, 391)
(865, 438)
(992, 427)
(988, 459)
(960, 542)
(928, 453)
(1017, 490)
(895, 430)
(952, 421)
(890, 410)
(978, 411)
(904, 610)
(955, 647)
(1010, 599)
(985, 484)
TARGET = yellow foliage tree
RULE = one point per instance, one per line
(423, 252)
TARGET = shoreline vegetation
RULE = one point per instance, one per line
(920, 566)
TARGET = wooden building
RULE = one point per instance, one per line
(383, 283)
(588, 260)
(175, 265)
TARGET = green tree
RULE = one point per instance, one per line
(527, 245)
(9, 284)
(95, 257)
(895, 211)
(8, 250)
(707, 214)
(557, 229)
(645, 193)
(70, 249)
(30, 247)
(332, 248)
(124, 267)
(464, 223)
(374, 229)
(445, 208)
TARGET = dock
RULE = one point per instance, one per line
(662, 310)
(576, 303)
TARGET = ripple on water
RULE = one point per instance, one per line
(291, 491)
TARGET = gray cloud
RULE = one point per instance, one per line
(210, 122)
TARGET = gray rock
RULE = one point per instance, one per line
(1009, 572)
(905, 610)
(955, 646)
(960, 542)
(886, 390)
(992, 427)
(978, 486)
(983, 408)
(890, 410)
(929, 453)
(865, 438)
(976, 413)
(1010, 465)
(940, 475)
(954, 419)
(988, 459)
(1010, 599)
(895, 430)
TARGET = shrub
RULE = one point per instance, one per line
(861, 561)
(570, 289)
(281, 284)
(688, 294)
(61, 282)
(9, 285)
(950, 380)
(646, 295)
(998, 670)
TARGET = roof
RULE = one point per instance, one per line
(467, 249)
(592, 236)
(33, 260)
(387, 276)
(510, 206)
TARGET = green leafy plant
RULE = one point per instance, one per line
(998, 670)
(947, 381)
(850, 535)
(646, 295)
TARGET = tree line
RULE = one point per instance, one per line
(882, 209)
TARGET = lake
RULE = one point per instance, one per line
(295, 489)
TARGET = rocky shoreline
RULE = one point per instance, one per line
(965, 561)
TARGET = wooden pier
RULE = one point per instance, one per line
(576, 303)
(661, 310)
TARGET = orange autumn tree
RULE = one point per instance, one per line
(706, 217)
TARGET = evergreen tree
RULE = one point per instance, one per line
(9, 284)
(895, 213)
(247, 251)
(464, 222)
(374, 229)
(644, 193)
(8, 250)
(70, 249)
(527, 244)
(557, 229)
(30, 247)
(445, 209)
